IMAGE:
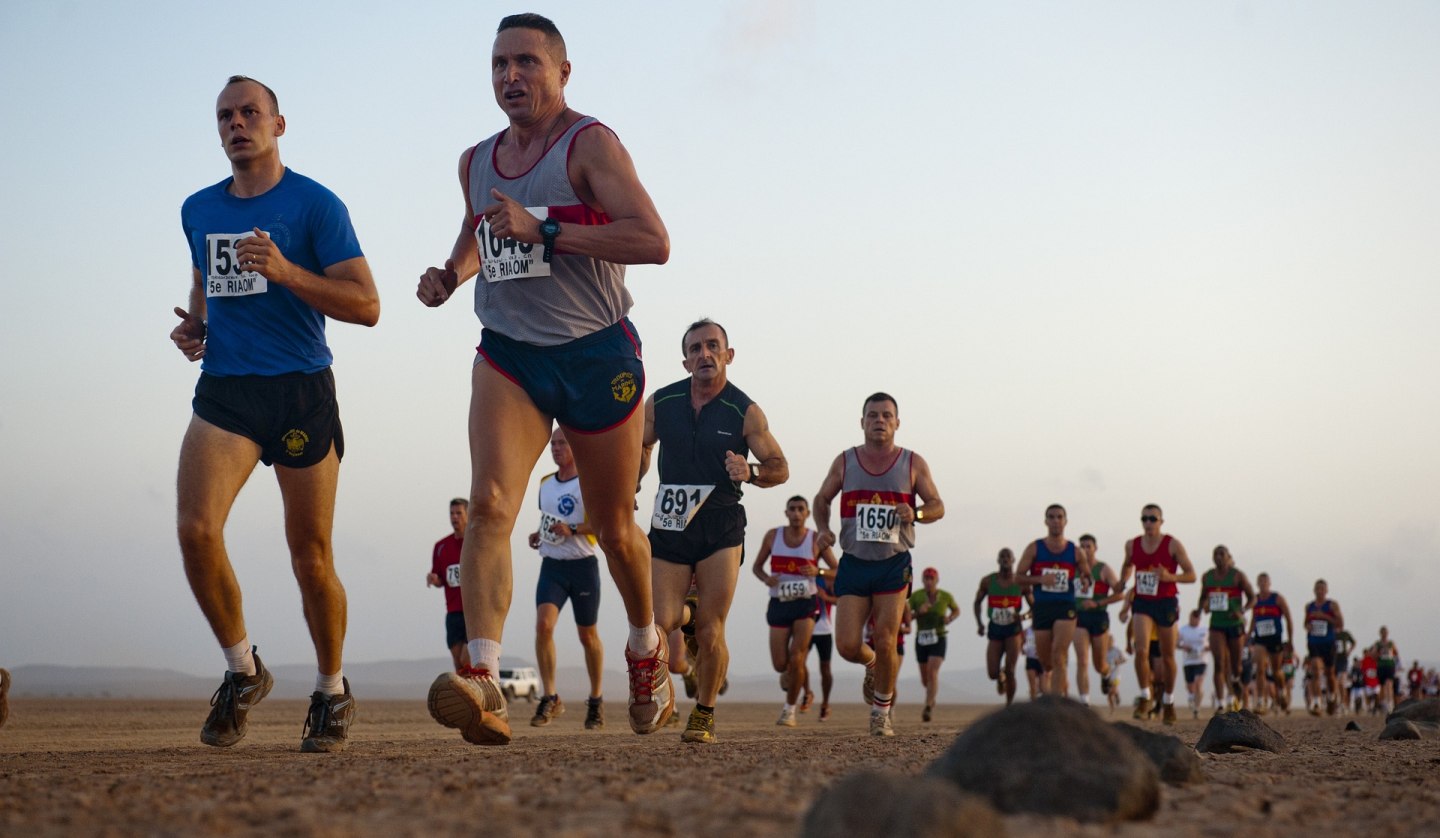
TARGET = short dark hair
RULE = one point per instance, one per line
(1090, 538)
(879, 396)
(701, 323)
(1154, 506)
(540, 23)
(274, 100)
(460, 502)
(1057, 506)
(800, 498)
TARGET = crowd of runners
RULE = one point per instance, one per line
(553, 211)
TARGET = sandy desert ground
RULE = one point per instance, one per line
(111, 767)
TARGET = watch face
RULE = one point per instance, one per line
(550, 227)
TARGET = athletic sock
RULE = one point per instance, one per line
(330, 684)
(1085, 699)
(485, 654)
(883, 701)
(707, 710)
(789, 708)
(240, 658)
(644, 640)
(1145, 693)
(1167, 699)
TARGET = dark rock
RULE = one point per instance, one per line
(876, 804)
(1351, 725)
(1177, 762)
(1406, 729)
(1229, 731)
(1052, 757)
(1427, 710)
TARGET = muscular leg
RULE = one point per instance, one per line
(827, 680)
(780, 648)
(1169, 639)
(309, 498)
(1062, 635)
(932, 679)
(1220, 656)
(993, 651)
(715, 578)
(851, 614)
(214, 465)
(1045, 651)
(546, 616)
(889, 608)
(1082, 663)
(594, 656)
(799, 650)
(1100, 654)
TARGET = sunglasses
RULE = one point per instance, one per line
(1148, 519)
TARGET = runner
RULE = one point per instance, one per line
(273, 254)
(1159, 563)
(1322, 621)
(705, 426)
(445, 573)
(1387, 660)
(1050, 566)
(934, 609)
(1004, 600)
(794, 567)
(1416, 680)
(556, 347)
(1033, 669)
(1220, 597)
(1370, 673)
(1195, 642)
(1093, 596)
(1285, 681)
(570, 571)
(1267, 640)
(886, 491)
(822, 641)
(1344, 645)
(1115, 658)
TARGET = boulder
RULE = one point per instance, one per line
(1406, 729)
(1177, 762)
(1052, 757)
(1229, 731)
(1426, 710)
(877, 804)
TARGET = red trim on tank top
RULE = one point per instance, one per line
(469, 175)
(898, 452)
(495, 153)
(570, 149)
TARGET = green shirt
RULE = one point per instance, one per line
(934, 619)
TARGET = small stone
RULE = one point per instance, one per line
(1244, 729)
(1351, 725)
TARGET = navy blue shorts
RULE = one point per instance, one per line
(1002, 633)
(1272, 644)
(1228, 631)
(934, 650)
(294, 418)
(862, 577)
(1033, 665)
(823, 644)
(455, 629)
(577, 580)
(1194, 671)
(1047, 614)
(1165, 612)
(714, 528)
(590, 384)
(785, 614)
(1325, 651)
(1096, 621)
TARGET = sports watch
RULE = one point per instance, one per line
(549, 229)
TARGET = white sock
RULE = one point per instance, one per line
(644, 640)
(240, 658)
(1167, 699)
(485, 654)
(329, 685)
(1145, 693)
(1085, 699)
(789, 708)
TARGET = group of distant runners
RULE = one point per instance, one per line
(553, 212)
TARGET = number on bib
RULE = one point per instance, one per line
(1147, 583)
(876, 522)
(1219, 602)
(1265, 628)
(1002, 616)
(792, 589)
(452, 576)
(1084, 588)
(927, 637)
(223, 277)
(1319, 628)
(676, 505)
(504, 259)
(1057, 580)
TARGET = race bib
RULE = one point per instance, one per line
(1084, 588)
(1147, 583)
(223, 277)
(1319, 628)
(546, 522)
(1219, 602)
(792, 589)
(1002, 616)
(1057, 580)
(502, 259)
(1265, 629)
(452, 576)
(876, 522)
(927, 637)
(676, 505)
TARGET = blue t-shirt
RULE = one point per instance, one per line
(257, 327)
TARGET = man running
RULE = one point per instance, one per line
(1159, 563)
(553, 212)
(1221, 592)
(1268, 637)
(1093, 595)
(794, 567)
(822, 640)
(1387, 662)
(273, 254)
(705, 427)
(1322, 621)
(569, 571)
(445, 573)
(1051, 565)
(1004, 600)
(1194, 642)
(934, 609)
(884, 491)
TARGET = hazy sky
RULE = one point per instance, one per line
(1102, 253)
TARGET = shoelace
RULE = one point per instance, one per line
(642, 677)
(699, 721)
(225, 694)
(317, 719)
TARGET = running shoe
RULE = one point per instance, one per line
(327, 725)
(550, 707)
(1169, 714)
(471, 700)
(925, 716)
(700, 729)
(652, 696)
(880, 723)
(1143, 706)
(787, 717)
(867, 689)
(824, 711)
(594, 713)
(231, 703)
(806, 701)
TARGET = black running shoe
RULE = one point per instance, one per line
(231, 703)
(327, 725)
(594, 713)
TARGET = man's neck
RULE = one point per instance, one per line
(567, 472)
(256, 177)
(703, 392)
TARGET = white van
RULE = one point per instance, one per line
(520, 682)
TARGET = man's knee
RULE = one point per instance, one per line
(199, 536)
(850, 650)
(710, 634)
(313, 564)
(490, 514)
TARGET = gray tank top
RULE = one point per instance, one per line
(869, 527)
(517, 293)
